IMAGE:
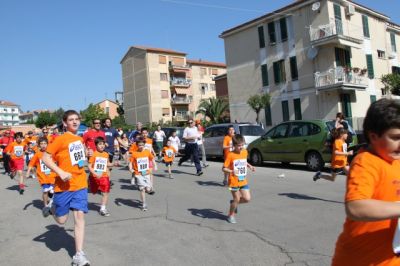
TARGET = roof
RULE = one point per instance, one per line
(219, 77)
(205, 63)
(281, 12)
(7, 103)
(106, 100)
(154, 50)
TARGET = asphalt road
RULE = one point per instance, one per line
(290, 221)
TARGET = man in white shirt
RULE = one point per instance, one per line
(159, 137)
(191, 136)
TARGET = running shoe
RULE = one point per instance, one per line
(80, 259)
(104, 212)
(144, 207)
(317, 176)
(231, 219)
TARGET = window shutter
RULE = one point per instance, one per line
(338, 19)
(297, 109)
(268, 116)
(370, 66)
(283, 25)
(365, 26)
(271, 33)
(261, 39)
(293, 68)
(393, 42)
(276, 73)
(264, 75)
(285, 110)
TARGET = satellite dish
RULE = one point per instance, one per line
(315, 6)
(312, 53)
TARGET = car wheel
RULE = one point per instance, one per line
(255, 158)
(285, 164)
(314, 161)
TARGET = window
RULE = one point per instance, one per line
(285, 110)
(261, 40)
(251, 131)
(365, 26)
(342, 57)
(164, 94)
(165, 112)
(107, 111)
(280, 131)
(395, 70)
(314, 129)
(162, 59)
(219, 131)
(163, 76)
(381, 54)
(268, 116)
(284, 34)
(393, 42)
(203, 72)
(178, 61)
(271, 33)
(214, 71)
(346, 105)
(293, 68)
(203, 88)
(279, 72)
(212, 87)
(297, 109)
(370, 66)
(383, 91)
(372, 98)
(264, 75)
(338, 19)
(299, 130)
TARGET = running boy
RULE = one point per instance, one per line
(71, 184)
(16, 151)
(236, 166)
(139, 166)
(99, 173)
(227, 147)
(373, 193)
(169, 155)
(339, 156)
(46, 177)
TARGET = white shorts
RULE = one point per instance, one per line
(143, 182)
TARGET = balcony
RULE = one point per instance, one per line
(339, 78)
(336, 33)
(181, 100)
(182, 116)
(179, 68)
(180, 82)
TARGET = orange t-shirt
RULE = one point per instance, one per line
(99, 162)
(169, 154)
(69, 154)
(227, 142)
(141, 161)
(45, 175)
(369, 243)
(16, 150)
(148, 146)
(237, 163)
(339, 161)
(32, 139)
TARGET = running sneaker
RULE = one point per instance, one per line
(46, 211)
(21, 189)
(170, 176)
(104, 212)
(231, 219)
(151, 192)
(144, 207)
(317, 176)
(80, 259)
(199, 173)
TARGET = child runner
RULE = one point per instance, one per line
(30, 151)
(71, 183)
(339, 156)
(46, 177)
(175, 141)
(99, 173)
(169, 155)
(227, 147)
(372, 193)
(139, 166)
(16, 151)
(236, 166)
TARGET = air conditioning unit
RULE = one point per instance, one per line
(350, 10)
(392, 55)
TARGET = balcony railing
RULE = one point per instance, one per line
(180, 82)
(181, 116)
(338, 76)
(181, 100)
(350, 32)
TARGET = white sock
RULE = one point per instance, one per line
(103, 207)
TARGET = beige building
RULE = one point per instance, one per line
(9, 113)
(315, 58)
(161, 84)
(109, 107)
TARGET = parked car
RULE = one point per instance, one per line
(179, 132)
(296, 141)
(214, 136)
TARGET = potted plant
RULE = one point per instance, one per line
(363, 71)
(347, 69)
(356, 69)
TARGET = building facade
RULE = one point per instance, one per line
(315, 58)
(9, 113)
(109, 107)
(163, 85)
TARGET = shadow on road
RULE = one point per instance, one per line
(210, 183)
(129, 187)
(305, 197)
(15, 187)
(38, 204)
(93, 206)
(208, 214)
(181, 172)
(128, 202)
(57, 238)
(125, 181)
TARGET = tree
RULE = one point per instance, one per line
(258, 102)
(392, 83)
(92, 112)
(213, 108)
(59, 113)
(45, 119)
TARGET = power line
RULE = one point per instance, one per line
(211, 6)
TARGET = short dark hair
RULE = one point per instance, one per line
(140, 140)
(382, 115)
(99, 140)
(43, 139)
(105, 119)
(18, 134)
(69, 113)
(237, 139)
(227, 129)
(339, 132)
(143, 129)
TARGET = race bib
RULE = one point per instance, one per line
(77, 153)
(143, 165)
(100, 164)
(30, 155)
(344, 147)
(148, 146)
(33, 143)
(169, 153)
(231, 146)
(240, 168)
(43, 168)
(18, 151)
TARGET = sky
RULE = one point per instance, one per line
(67, 53)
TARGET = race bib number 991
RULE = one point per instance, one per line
(77, 153)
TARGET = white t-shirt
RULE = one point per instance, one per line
(190, 132)
(175, 141)
(159, 135)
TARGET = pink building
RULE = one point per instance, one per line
(109, 107)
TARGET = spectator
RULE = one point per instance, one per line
(190, 136)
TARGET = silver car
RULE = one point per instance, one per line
(214, 136)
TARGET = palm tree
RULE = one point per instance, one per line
(213, 108)
(258, 102)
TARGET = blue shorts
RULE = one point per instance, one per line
(70, 200)
(48, 188)
(245, 187)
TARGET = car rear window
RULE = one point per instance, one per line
(251, 130)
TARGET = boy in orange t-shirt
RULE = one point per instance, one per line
(339, 157)
(16, 152)
(100, 174)
(70, 188)
(169, 155)
(373, 193)
(139, 166)
(227, 147)
(236, 166)
(46, 177)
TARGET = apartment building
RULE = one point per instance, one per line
(163, 85)
(315, 58)
(9, 113)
